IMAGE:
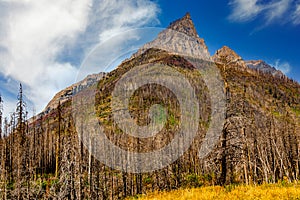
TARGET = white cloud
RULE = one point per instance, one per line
(35, 35)
(244, 10)
(120, 15)
(284, 67)
(273, 11)
(296, 15)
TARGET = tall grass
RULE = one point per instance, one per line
(280, 191)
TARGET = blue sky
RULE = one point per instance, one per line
(43, 43)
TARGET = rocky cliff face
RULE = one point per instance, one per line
(262, 66)
(179, 38)
(67, 94)
(227, 56)
(185, 25)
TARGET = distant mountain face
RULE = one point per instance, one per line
(227, 57)
(226, 54)
(262, 66)
(67, 94)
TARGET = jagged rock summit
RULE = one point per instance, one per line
(225, 54)
(179, 38)
(184, 25)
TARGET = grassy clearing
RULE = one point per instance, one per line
(265, 192)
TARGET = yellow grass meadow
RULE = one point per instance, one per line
(264, 192)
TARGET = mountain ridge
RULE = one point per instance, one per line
(264, 67)
(67, 93)
(167, 41)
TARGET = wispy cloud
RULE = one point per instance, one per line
(36, 37)
(296, 14)
(34, 33)
(277, 9)
(270, 12)
(244, 10)
(119, 15)
(284, 67)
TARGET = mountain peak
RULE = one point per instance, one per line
(184, 25)
(179, 38)
(226, 54)
(187, 16)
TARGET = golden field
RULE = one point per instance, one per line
(264, 192)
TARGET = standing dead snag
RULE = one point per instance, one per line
(57, 147)
(21, 147)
